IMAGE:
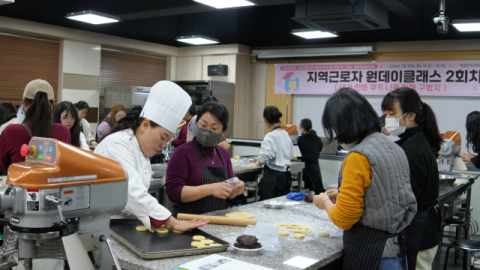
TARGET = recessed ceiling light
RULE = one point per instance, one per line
(93, 17)
(225, 3)
(467, 25)
(197, 40)
(311, 34)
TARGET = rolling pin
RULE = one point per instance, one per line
(219, 220)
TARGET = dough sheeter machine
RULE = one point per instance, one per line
(58, 204)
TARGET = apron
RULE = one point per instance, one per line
(275, 183)
(363, 245)
(413, 236)
(210, 175)
(313, 178)
(414, 232)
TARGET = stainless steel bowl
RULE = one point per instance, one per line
(248, 252)
(446, 180)
(274, 204)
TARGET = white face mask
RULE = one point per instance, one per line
(347, 146)
(393, 126)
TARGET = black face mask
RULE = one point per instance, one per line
(207, 138)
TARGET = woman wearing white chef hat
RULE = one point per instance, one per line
(135, 139)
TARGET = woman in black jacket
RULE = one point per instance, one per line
(473, 139)
(416, 125)
(310, 146)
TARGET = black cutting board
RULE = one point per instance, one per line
(154, 245)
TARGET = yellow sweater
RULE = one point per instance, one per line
(356, 177)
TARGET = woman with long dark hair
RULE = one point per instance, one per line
(310, 146)
(66, 114)
(375, 202)
(8, 111)
(138, 137)
(408, 117)
(83, 109)
(473, 139)
(276, 153)
(38, 122)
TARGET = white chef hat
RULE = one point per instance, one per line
(166, 105)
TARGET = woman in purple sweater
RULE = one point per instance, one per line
(197, 170)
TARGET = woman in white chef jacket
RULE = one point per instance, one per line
(135, 139)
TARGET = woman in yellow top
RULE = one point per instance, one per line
(375, 202)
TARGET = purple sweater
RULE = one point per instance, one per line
(184, 169)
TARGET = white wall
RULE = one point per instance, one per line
(80, 58)
(451, 111)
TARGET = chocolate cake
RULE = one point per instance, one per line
(247, 242)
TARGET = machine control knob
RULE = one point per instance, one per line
(25, 150)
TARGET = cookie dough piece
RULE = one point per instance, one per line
(236, 157)
(141, 228)
(283, 233)
(161, 230)
(177, 231)
(240, 215)
(215, 245)
(198, 238)
(207, 242)
(299, 236)
(323, 234)
(201, 246)
(196, 244)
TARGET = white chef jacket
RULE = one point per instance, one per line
(123, 147)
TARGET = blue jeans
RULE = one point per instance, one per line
(394, 263)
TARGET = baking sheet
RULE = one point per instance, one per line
(153, 245)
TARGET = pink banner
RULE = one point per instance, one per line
(434, 78)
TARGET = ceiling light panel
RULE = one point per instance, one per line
(5, 2)
(197, 40)
(225, 3)
(467, 25)
(93, 17)
(312, 34)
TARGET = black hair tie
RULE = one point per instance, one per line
(129, 117)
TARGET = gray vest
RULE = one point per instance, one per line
(390, 204)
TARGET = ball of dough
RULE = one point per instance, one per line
(236, 157)
(283, 233)
(201, 246)
(177, 231)
(240, 215)
(161, 230)
(215, 245)
(299, 236)
(141, 228)
(198, 237)
(323, 234)
(207, 242)
(196, 244)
